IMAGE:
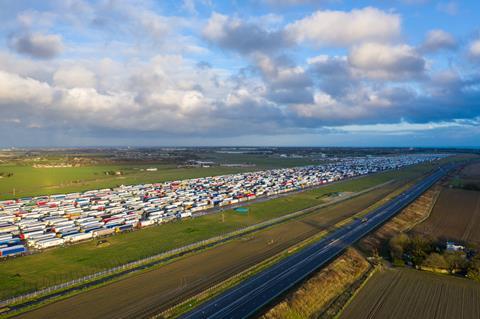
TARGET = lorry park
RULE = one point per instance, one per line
(32, 224)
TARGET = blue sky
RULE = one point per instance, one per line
(265, 72)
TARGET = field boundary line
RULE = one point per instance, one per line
(301, 245)
(251, 271)
(372, 272)
(429, 210)
(181, 251)
(377, 268)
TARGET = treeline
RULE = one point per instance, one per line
(471, 187)
(423, 252)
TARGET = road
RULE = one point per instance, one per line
(148, 293)
(252, 295)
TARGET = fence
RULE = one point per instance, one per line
(140, 264)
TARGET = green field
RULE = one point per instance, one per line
(61, 264)
(29, 181)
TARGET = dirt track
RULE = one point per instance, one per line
(146, 294)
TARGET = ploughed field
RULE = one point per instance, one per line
(470, 175)
(408, 293)
(456, 216)
(148, 293)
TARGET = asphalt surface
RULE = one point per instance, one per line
(252, 295)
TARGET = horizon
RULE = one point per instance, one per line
(234, 146)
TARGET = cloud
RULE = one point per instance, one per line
(74, 77)
(150, 75)
(415, 2)
(295, 2)
(37, 45)
(334, 74)
(242, 36)
(285, 83)
(450, 8)
(167, 95)
(394, 62)
(474, 49)
(437, 40)
(340, 28)
(446, 97)
(14, 88)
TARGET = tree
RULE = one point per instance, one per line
(398, 244)
(473, 271)
(435, 260)
(455, 260)
(419, 248)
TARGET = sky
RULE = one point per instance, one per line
(241, 72)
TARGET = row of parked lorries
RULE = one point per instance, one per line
(48, 221)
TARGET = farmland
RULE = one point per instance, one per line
(456, 215)
(162, 287)
(406, 293)
(30, 181)
(315, 294)
(35, 271)
(468, 178)
(53, 172)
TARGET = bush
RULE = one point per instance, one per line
(397, 262)
(473, 271)
(435, 260)
(455, 260)
(419, 248)
(398, 244)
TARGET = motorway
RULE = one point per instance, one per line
(252, 295)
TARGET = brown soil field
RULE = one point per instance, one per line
(315, 294)
(406, 293)
(456, 216)
(149, 293)
(415, 213)
(471, 171)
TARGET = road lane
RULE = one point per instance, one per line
(247, 298)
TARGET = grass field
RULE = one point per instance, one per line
(407, 293)
(26, 180)
(60, 264)
(154, 291)
(30, 181)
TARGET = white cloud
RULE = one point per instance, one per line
(474, 49)
(30, 92)
(74, 76)
(345, 28)
(387, 61)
